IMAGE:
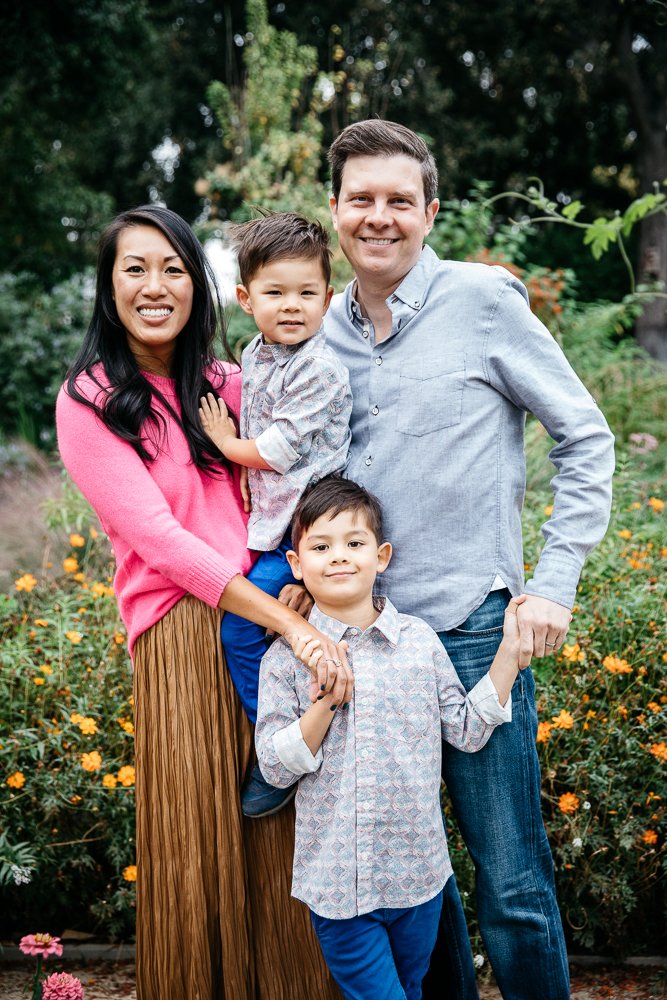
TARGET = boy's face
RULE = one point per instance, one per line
(338, 560)
(287, 299)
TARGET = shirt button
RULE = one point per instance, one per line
(417, 304)
(375, 411)
(364, 753)
(369, 460)
(378, 361)
(365, 334)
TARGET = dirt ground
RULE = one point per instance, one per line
(107, 981)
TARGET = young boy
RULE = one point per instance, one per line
(370, 856)
(295, 412)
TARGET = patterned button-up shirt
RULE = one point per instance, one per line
(369, 828)
(296, 405)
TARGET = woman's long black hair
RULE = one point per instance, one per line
(125, 403)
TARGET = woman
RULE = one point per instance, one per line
(214, 914)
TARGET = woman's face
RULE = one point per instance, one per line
(153, 295)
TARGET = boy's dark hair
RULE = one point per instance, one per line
(279, 236)
(376, 137)
(332, 495)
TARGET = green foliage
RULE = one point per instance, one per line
(66, 751)
(40, 332)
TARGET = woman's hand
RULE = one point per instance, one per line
(245, 490)
(327, 661)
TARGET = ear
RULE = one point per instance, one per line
(333, 206)
(294, 565)
(384, 556)
(431, 212)
(243, 299)
(327, 299)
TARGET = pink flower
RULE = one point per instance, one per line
(62, 986)
(40, 944)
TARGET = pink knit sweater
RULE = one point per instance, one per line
(174, 529)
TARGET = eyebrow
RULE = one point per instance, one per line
(348, 534)
(136, 256)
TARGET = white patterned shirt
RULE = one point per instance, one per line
(369, 827)
(296, 405)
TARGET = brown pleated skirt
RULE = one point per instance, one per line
(215, 919)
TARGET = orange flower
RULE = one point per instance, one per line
(38, 681)
(543, 731)
(659, 750)
(101, 590)
(109, 781)
(119, 638)
(88, 726)
(42, 622)
(130, 873)
(568, 803)
(549, 509)
(74, 636)
(70, 565)
(26, 582)
(77, 541)
(615, 665)
(91, 761)
(563, 720)
(650, 837)
(16, 780)
(92, 532)
(624, 533)
(573, 654)
(656, 504)
(653, 706)
(75, 718)
(126, 776)
(79, 577)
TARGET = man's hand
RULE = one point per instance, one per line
(543, 626)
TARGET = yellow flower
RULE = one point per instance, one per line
(109, 781)
(75, 718)
(70, 565)
(79, 577)
(16, 780)
(119, 638)
(74, 636)
(26, 582)
(130, 873)
(573, 654)
(656, 504)
(88, 726)
(634, 506)
(92, 532)
(101, 590)
(42, 622)
(615, 665)
(653, 706)
(650, 837)
(91, 761)
(38, 681)
(46, 669)
(77, 541)
(659, 750)
(126, 775)
(128, 727)
(624, 533)
(543, 731)
(130, 700)
(549, 510)
(568, 803)
(663, 552)
(563, 720)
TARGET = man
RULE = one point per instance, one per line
(445, 359)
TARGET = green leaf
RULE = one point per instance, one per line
(572, 210)
(601, 233)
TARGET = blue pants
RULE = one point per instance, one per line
(495, 795)
(245, 642)
(382, 955)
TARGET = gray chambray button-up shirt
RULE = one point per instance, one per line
(437, 424)
(296, 405)
(369, 831)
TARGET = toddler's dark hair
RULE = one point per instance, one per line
(332, 495)
(279, 236)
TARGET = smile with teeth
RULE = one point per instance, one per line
(377, 242)
(155, 312)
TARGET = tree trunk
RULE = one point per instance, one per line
(651, 326)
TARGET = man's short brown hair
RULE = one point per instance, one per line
(280, 236)
(333, 495)
(376, 137)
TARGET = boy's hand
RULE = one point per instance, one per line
(511, 634)
(215, 419)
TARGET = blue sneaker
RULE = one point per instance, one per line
(259, 798)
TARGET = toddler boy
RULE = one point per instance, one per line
(294, 425)
(370, 856)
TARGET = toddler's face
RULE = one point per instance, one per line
(287, 299)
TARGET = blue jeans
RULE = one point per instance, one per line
(382, 955)
(495, 794)
(245, 642)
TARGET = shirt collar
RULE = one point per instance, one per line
(387, 623)
(280, 354)
(411, 291)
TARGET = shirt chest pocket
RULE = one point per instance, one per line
(430, 396)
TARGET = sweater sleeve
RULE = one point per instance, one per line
(130, 505)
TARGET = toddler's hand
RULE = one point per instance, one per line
(215, 419)
(511, 624)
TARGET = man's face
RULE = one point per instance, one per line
(381, 217)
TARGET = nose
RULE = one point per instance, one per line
(153, 283)
(378, 213)
(292, 302)
(338, 554)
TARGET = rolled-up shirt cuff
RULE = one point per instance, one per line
(276, 450)
(486, 702)
(292, 751)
